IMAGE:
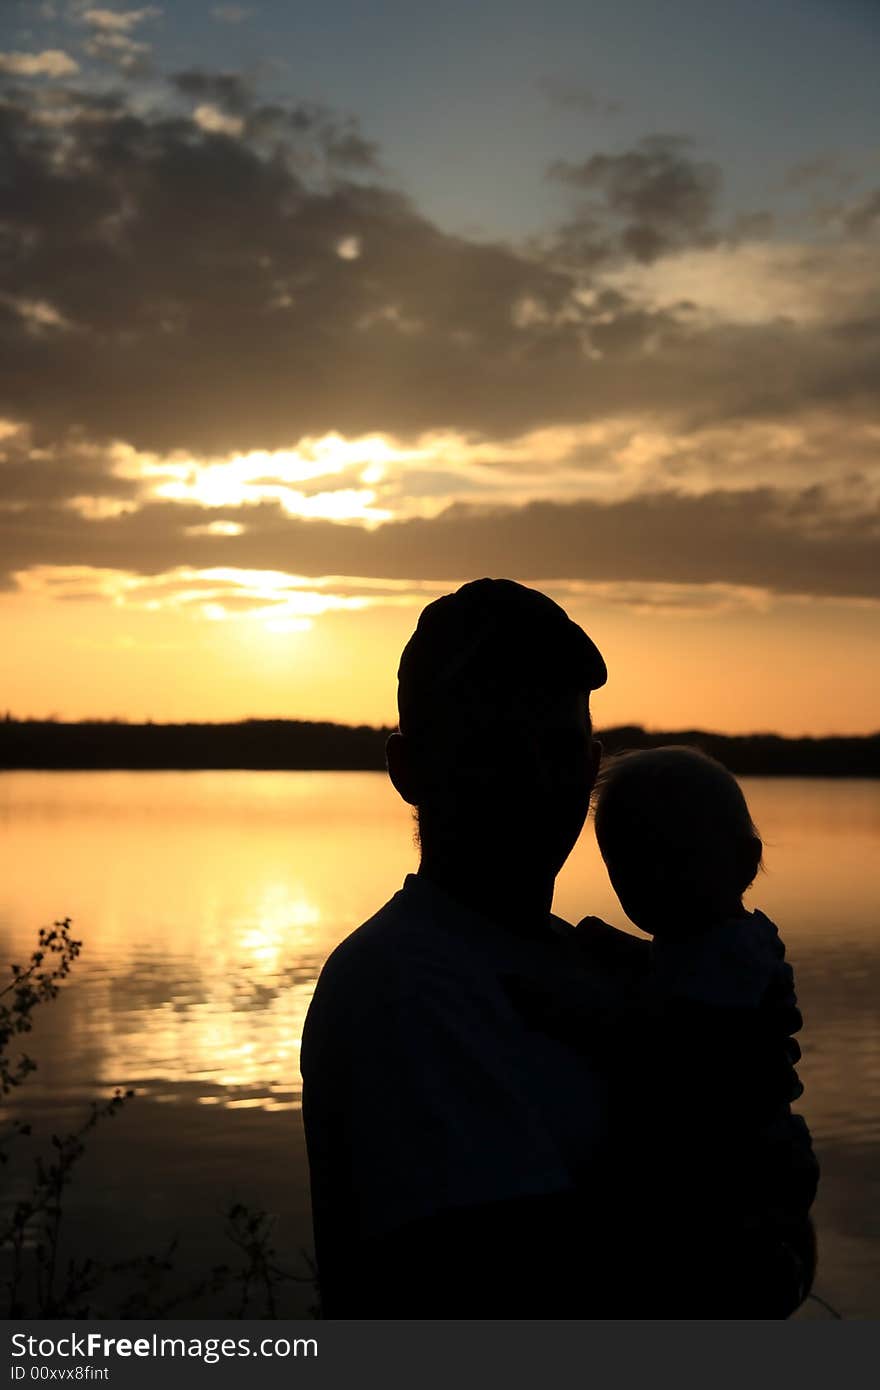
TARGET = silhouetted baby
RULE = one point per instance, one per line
(681, 850)
(705, 1065)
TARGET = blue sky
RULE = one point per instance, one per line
(457, 96)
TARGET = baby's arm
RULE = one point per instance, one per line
(601, 994)
(739, 1129)
(693, 1084)
(733, 982)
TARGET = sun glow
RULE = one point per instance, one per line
(262, 475)
(281, 603)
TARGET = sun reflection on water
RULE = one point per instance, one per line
(208, 902)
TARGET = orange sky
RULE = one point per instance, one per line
(265, 390)
(794, 666)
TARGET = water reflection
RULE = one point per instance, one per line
(207, 904)
(208, 901)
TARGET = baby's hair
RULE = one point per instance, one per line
(681, 807)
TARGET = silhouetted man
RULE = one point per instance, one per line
(442, 1132)
(450, 1143)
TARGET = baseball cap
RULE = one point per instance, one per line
(489, 636)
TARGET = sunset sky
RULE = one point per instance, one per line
(312, 311)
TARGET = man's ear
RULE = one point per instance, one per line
(400, 762)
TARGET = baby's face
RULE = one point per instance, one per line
(666, 896)
(644, 897)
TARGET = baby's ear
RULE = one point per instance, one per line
(751, 852)
(596, 751)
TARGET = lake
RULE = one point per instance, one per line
(207, 902)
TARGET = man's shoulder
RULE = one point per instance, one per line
(392, 954)
(358, 976)
(371, 949)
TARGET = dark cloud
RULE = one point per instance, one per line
(338, 138)
(179, 287)
(647, 201)
(790, 542)
(211, 307)
(348, 148)
(862, 218)
(228, 90)
(35, 478)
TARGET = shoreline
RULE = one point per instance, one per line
(275, 745)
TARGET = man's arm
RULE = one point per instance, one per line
(524, 1258)
(736, 1171)
(551, 1257)
(695, 1087)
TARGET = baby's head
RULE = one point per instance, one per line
(677, 838)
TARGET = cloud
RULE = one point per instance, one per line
(647, 201)
(319, 132)
(784, 541)
(52, 62)
(862, 218)
(118, 21)
(820, 169)
(759, 281)
(231, 14)
(214, 272)
(227, 90)
(375, 478)
(110, 38)
(211, 278)
(118, 50)
(36, 479)
(242, 315)
(212, 119)
(575, 96)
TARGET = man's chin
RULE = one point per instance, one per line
(539, 855)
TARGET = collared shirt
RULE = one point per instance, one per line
(424, 1090)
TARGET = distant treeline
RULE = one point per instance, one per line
(296, 744)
